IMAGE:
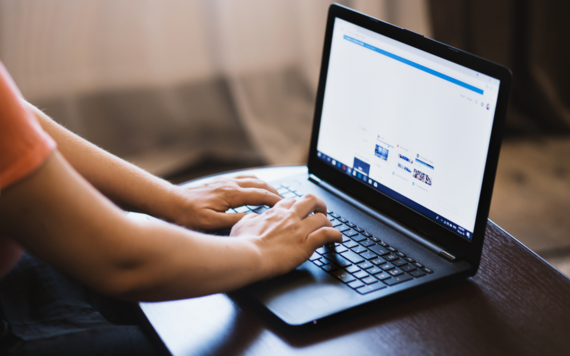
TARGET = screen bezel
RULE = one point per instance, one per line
(462, 248)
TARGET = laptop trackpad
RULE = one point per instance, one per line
(305, 294)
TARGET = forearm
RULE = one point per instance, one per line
(187, 264)
(61, 219)
(125, 184)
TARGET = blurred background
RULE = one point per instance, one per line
(185, 88)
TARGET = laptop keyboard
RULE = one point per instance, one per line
(362, 261)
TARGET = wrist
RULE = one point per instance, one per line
(172, 204)
(257, 257)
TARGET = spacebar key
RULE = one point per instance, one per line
(352, 257)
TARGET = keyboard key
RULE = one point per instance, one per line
(329, 267)
(318, 263)
(427, 270)
(325, 261)
(378, 250)
(343, 276)
(391, 249)
(330, 212)
(395, 272)
(361, 274)
(253, 207)
(355, 284)
(340, 249)
(314, 256)
(351, 225)
(359, 249)
(390, 257)
(399, 262)
(350, 244)
(282, 191)
(322, 250)
(374, 270)
(365, 265)
(350, 233)
(345, 239)
(367, 234)
(352, 269)
(386, 266)
(367, 243)
(261, 209)
(383, 244)
(343, 220)
(371, 288)
(342, 228)
(230, 211)
(418, 265)
(377, 261)
(408, 268)
(359, 238)
(289, 195)
(368, 255)
(242, 209)
(337, 259)
(330, 218)
(382, 276)
(409, 259)
(401, 254)
(396, 280)
(352, 257)
(358, 229)
(336, 216)
(336, 223)
(369, 280)
(418, 273)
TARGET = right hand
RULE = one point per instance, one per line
(287, 234)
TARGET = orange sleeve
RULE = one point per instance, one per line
(24, 146)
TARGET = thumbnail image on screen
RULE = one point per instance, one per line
(422, 177)
(381, 152)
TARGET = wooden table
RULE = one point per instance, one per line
(517, 304)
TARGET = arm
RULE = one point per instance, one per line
(199, 208)
(60, 218)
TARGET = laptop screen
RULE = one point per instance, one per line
(409, 124)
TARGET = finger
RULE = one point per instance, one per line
(323, 236)
(245, 176)
(285, 203)
(253, 196)
(314, 222)
(255, 183)
(227, 220)
(309, 203)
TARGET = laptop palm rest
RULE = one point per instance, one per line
(307, 293)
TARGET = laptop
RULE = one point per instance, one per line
(404, 150)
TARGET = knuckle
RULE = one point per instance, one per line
(310, 196)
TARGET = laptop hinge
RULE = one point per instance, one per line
(448, 256)
(430, 245)
(313, 178)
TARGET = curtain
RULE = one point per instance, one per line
(529, 37)
(167, 83)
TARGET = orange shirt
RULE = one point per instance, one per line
(24, 147)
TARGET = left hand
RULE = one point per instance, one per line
(204, 207)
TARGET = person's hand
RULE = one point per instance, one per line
(287, 234)
(203, 208)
